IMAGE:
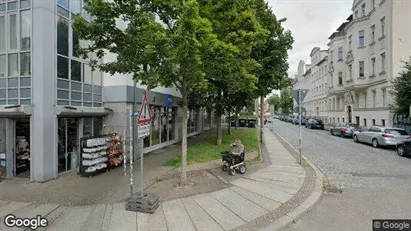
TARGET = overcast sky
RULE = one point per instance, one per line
(311, 22)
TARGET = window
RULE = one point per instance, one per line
(350, 43)
(87, 74)
(97, 77)
(350, 71)
(63, 3)
(363, 10)
(25, 68)
(340, 78)
(340, 54)
(13, 32)
(373, 66)
(62, 67)
(25, 4)
(62, 36)
(2, 66)
(75, 6)
(76, 44)
(13, 65)
(25, 30)
(383, 123)
(374, 99)
(384, 97)
(361, 68)
(75, 70)
(361, 38)
(372, 33)
(382, 62)
(373, 122)
(382, 21)
(2, 33)
(365, 122)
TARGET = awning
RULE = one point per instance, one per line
(15, 110)
(81, 111)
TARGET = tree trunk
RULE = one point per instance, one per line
(219, 130)
(236, 120)
(229, 122)
(184, 140)
(261, 117)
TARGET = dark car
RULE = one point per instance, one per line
(344, 129)
(314, 123)
(404, 148)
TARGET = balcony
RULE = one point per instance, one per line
(336, 90)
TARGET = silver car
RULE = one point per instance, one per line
(381, 136)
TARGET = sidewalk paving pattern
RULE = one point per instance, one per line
(249, 197)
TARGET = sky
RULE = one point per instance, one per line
(311, 22)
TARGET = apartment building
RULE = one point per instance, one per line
(50, 97)
(365, 54)
(314, 78)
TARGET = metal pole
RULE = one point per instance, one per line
(142, 172)
(131, 155)
(299, 118)
(66, 148)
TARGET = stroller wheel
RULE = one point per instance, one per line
(232, 172)
(225, 168)
(242, 169)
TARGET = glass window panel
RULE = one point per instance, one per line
(97, 126)
(3, 102)
(75, 6)
(75, 70)
(25, 4)
(2, 66)
(97, 98)
(87, 97)
(2, 7)
(13, 93)
(63, 12)
(62, 67)
(97, 104)
(76, 43)
(13, 82)
(88, 127)
(87, 88)
(3, 94)
(97, 75)
(25, 30)
(76, 103)
(13, 65)
(63, 3)
(12, 101)
(63, 94)
(25, 81)
(155, 125)
(75, 86)
(13, 32)
(62, 36)
(2, 33)
(3, 83)
(63, 102)
(12, 6)
(97, 90)
(75, 95)
(87, 74)
(87, 104)
(25, 93)
(25, 101)
(63, 84)
(25, 67)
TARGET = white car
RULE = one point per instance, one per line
(381, 136)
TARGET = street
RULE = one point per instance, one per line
(375, 183)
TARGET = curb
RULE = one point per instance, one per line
(307, 205)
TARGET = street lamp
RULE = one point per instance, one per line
(282, 20)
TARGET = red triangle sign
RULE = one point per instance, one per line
(144, 115)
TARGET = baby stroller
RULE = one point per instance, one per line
(233, 163)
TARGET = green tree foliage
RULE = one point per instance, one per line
(274, 100)
(286, 100)
(401, 91)
(162, 42)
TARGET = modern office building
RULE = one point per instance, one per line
(366, 53)
(50, 97)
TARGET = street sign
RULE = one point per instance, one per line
(168, 101)
(303, 94)
(144, 118)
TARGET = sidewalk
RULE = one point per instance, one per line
(252, 196)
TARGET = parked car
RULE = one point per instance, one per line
(381, 136)
(314, 123)
(296, 122)
(345, 129)
(404, 148)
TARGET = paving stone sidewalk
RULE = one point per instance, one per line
(249, 197)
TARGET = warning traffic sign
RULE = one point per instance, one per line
(144, 115)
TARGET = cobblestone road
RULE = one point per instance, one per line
(348, 164)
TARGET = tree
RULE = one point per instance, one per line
(286, 100)
(234, 22)
(401, 91)
(275, 101)
(272, 55)
(162, 43)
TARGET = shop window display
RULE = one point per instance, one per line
(67, 144)
(155, 126)
(164, 122)
(23, 148)
(171, 122)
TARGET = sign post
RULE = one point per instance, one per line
(145, 203)
(299, 96)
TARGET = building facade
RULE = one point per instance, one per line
(50, 97)
(364, 54)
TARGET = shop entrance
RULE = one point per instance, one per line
(67, 144)
(22, 154)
